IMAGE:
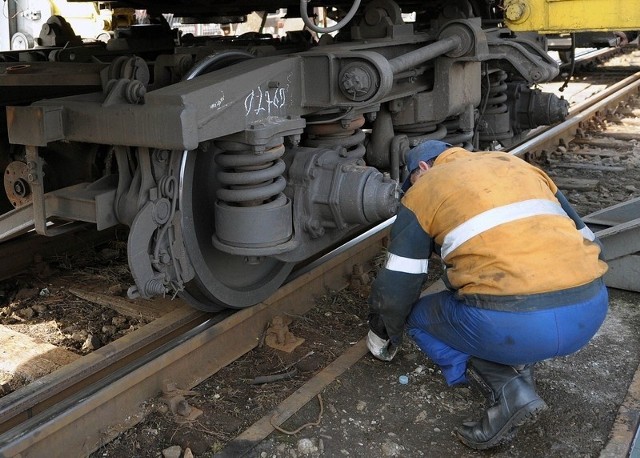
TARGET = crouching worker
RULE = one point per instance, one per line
(523, 274)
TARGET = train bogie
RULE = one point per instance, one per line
(233, 158)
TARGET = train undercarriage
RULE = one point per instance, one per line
(231, 159)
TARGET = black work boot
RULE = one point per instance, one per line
(526, 371)
(515, 403)
(476, 380)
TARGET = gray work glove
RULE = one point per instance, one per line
(382, 349)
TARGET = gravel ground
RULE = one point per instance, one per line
(369, 413)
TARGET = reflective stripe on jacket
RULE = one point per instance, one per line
(501, 229)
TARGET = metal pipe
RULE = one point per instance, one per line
(421, 55)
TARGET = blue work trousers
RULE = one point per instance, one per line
(450, 331)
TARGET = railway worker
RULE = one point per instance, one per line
(522, 270)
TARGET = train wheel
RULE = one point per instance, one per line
(221, 279)
(21, 41)
(5, 203)
(5, 160)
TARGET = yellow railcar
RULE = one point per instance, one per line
(553, 16)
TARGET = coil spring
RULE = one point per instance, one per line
(348, 135)
(421, 132)
(496, 95)
(447, 132)
(250, 179)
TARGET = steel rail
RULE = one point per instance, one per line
(578, 114)
(95, 414)
(22, 404)
(587, 55)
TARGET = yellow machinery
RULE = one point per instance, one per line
(22, 21)
(554, 16)
(88, 20)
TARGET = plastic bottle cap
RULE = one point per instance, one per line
(403, 379)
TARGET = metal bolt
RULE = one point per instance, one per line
(161, 155)
(183, 408)
(162, 211)
(515, 11)
(20, 188)
(536, 75)
(356, 82)
(134, 91)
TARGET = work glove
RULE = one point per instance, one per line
(382, 349)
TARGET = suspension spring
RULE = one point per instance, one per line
(253, 216)
(421, 132)
(345, 134)
(495, 124)
(247, 178)
(497, 95)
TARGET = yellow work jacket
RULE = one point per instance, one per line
(499, 226)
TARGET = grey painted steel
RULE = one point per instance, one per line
(370, 233)
(635, 446)
(529, 61)
(182, 115)
(220, 278)
(16, 222)
(618, 228)
(580, 113)
(429, 52)
(624, 272)
(232, 109)
(621, 239)
(76, 203)
(616, 214)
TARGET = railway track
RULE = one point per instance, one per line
(105, 388)
(589, 59)
(100, 394)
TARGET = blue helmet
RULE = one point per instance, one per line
(423, 152)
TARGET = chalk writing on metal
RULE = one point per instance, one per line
(218, 103)
(265, 102)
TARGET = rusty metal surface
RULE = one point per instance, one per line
(626, 424)
(34, 398)
(112, 404)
